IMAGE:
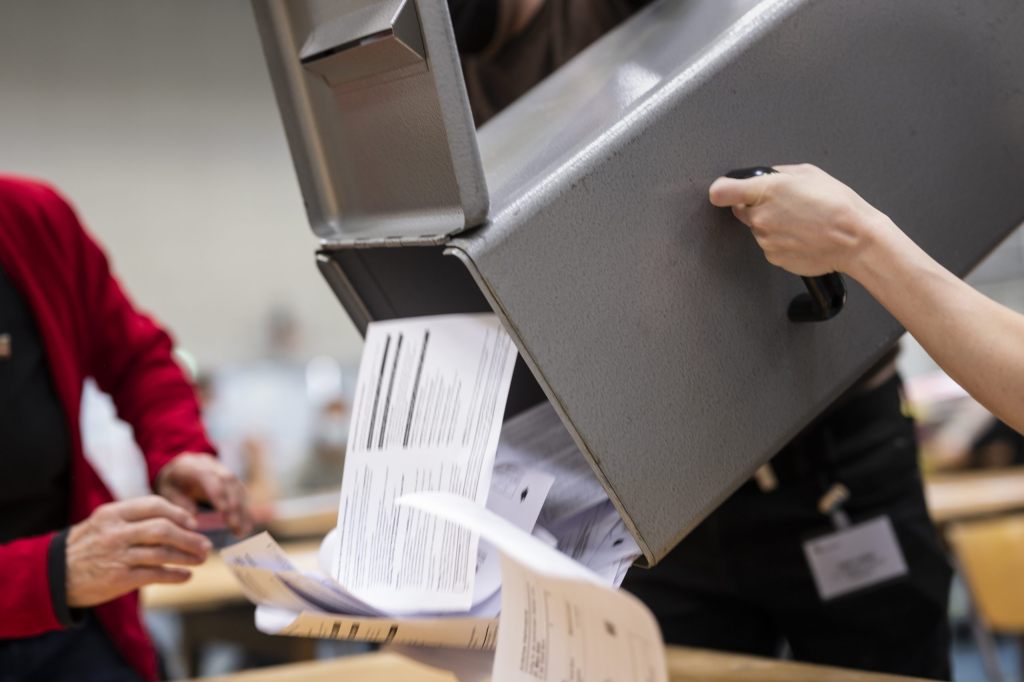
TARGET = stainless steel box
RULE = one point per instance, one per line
(580, 216)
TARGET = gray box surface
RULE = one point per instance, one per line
(648, 318)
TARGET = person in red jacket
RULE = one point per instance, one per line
(71, 558)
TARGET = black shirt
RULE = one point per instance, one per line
(475, 23)
(35, 445)
(35, 448)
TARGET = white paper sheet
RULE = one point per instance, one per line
(596, 537)
(559, 622)
(292, 602)
(517, 495)
(427, 416)
(259, 551)
(537, 439)
(269, 576)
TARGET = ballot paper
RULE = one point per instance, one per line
(305, 604)
(540, 493)
(537, 439)
(576, 511)
(559, 620)
(427, 416)
(517, 494)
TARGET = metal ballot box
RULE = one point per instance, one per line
(580, 216)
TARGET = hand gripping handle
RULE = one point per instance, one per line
(825, 295)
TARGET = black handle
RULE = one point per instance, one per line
(825, 295)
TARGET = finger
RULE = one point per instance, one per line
(730, 192)
(148, 575)
(159, 555)
(163, 532)
(235, 511)
(213, 487)
(227, 496)
(243, 517)
(180, 499)
(742, 213)
(245, 520)
(154, 506)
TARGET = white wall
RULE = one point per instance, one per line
(157, 119)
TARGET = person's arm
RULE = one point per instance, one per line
(130, 357)
(810, 223)
(119, 548)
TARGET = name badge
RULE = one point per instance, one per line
(855, 558)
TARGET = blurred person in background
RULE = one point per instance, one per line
(322, 471)
(246, 455)
(508, 46)
(260, 411)
(71, 559)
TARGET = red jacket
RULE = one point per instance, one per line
(89, 328)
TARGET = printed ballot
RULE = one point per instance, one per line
(306, 604)
(449, 519)
(560, 621)
(427, 416)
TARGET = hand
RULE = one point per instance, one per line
(192, 477)
(805, 220)
(125, 545)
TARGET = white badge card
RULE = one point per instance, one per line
(854, 558)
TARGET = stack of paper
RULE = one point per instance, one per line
(576, 511)
(442, 525)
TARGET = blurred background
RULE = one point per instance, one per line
(157, 120)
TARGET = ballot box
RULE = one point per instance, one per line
(649, 319)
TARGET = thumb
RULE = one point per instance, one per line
(731, 192)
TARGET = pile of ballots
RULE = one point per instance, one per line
(457, 530)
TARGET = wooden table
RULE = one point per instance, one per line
(685, 665)
(310, 516)
(213, 607)
(972, 494)
(212, 585)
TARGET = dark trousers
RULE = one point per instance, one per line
(81, 654)
(740, 583)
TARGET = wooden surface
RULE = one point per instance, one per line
(315, 524)
(310, 516)
(212, 584)
(959, 496)
(685, 665)
(991, 556)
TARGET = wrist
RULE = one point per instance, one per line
(160, 481)
(875, 237)
(59, 573)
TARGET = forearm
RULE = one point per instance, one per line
(977, 341)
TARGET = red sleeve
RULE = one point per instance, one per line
(129, 355)
(25, 600)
